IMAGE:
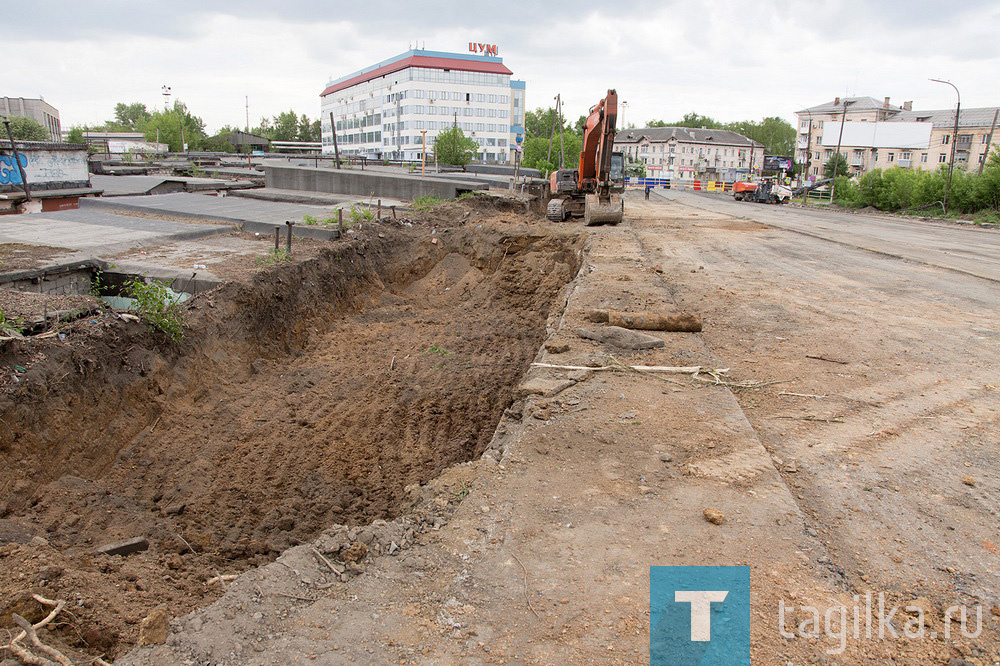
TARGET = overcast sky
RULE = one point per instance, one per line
(731, 61)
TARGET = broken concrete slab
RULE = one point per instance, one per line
(543, 387)
(126, 547)
(620, 337)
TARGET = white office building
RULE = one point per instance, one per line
(385, 110)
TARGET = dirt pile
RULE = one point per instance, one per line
(311, 396)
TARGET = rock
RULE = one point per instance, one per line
(49, 573)
(969, 480)
(154, 628)
(543, 387)
(175, 509)
(24, 605)
(621, 337)
(811, 532)
(714, 516)
(127, 547)
(355, 553)
(666, 457)
(173, 561)
(556, 349)
(656, 321)
(597, 316)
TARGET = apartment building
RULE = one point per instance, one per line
(386, 110)
(684, 153)
(39, 109)
(877, 135)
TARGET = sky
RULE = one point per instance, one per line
(731, 61)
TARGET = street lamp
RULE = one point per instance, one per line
(954, 142)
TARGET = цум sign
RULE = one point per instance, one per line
(485, 49)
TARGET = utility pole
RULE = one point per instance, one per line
(423, 151)
(836, 156)
(552, 133)
(989, 142)
(336, 151)
(954, 144)
(248, 114)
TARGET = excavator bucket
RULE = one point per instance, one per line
(609, 211)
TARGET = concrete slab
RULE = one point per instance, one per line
(200, 206)
(90, 229)
(117, 186)
(311, 198)
(248, 214)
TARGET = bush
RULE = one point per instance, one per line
(155, 302)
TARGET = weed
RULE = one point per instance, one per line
(462, 493)
(14, 324)
(466, 195)
(316, 222)
(426, 202)
(156, 303)
(440, 351)
(274, 257)
(358, 215)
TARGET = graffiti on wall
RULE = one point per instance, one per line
(44, 166)
(9, 173)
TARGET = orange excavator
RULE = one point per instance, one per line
(593, 190)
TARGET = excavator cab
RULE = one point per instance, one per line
(617, 173)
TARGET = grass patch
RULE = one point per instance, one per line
(274, 257)
(426, 202)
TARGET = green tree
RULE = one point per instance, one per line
(537, 154)
(452, 147)
(696, 121)
(543, 123)
(285, 127)
(657, 123)
(777, 135)
(838, 162)
(27, 129)
(308, 130)
(168, 124)
(131, 117)
(75, 135)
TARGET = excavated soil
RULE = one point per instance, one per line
(313, 394)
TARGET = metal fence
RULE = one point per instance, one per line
(678, 184)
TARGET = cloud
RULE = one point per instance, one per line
(664, 58)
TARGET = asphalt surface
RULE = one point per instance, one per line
(958, 247)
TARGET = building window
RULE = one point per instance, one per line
(905, 156)
(984, 139)
(923, 157)
(892, 157)
(942, 158)
(821, 124)
(945, 138)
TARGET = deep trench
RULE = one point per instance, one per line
(313, 396)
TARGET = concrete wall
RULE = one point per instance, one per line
(64, 280)
(364, 183)
(48, 166)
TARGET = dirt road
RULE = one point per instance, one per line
(865, 461)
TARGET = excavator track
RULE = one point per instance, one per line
(555, 211)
